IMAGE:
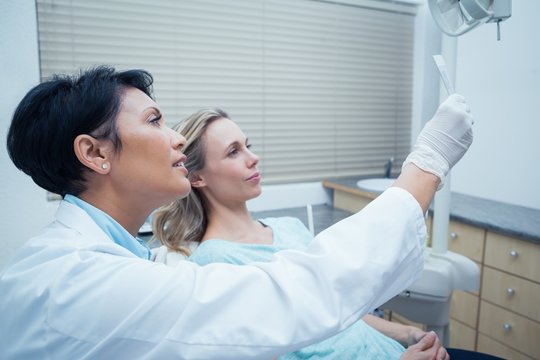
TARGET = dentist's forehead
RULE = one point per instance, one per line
(136, 102)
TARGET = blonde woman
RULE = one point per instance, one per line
(213, 220)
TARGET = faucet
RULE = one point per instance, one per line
(388, 167)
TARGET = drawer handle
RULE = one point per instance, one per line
(514, 254)
(453, 235)
(507, 327)
(510, 292)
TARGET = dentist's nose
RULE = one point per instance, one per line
(178, 141)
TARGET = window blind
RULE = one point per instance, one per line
(322, 89)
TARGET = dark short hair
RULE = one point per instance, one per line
(52, 114)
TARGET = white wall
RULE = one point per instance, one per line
(501, 80)
(23, 206)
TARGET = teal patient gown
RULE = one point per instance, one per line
(359, 341)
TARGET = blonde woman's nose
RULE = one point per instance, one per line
(253, 158)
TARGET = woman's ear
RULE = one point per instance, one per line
(196, 180)
(92, 153)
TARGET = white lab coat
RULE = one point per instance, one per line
(72, 293)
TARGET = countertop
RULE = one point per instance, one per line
(518, 221)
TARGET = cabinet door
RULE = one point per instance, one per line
(511, 329)
(462, 336)
(511, 292)
(466, 240)
(515, 256)
(465, 307)
(490, 346)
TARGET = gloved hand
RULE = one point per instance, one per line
(444, 139)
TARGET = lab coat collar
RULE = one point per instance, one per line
(112, 228)
(77, 219)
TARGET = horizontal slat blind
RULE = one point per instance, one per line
(322, 89)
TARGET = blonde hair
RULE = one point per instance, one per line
(184, 221)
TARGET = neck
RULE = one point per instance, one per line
(234, 223)
(129, 215)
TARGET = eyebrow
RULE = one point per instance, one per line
(153, 108)
(236, 142)
(233, 144)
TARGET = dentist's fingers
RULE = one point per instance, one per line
(444, 139)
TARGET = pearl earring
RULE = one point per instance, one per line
(104, 166)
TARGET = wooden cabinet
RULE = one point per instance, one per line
(510, 297)
(503, 318)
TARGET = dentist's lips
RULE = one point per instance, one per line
(180, 164)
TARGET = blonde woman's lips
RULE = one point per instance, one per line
(254, 177)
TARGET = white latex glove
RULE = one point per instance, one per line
(444, 139)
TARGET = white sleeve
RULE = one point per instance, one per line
(223, 311)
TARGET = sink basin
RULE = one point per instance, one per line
(376, 185)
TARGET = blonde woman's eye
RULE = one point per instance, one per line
(249, 146)
(155, 120)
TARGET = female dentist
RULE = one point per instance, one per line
(84, 288)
